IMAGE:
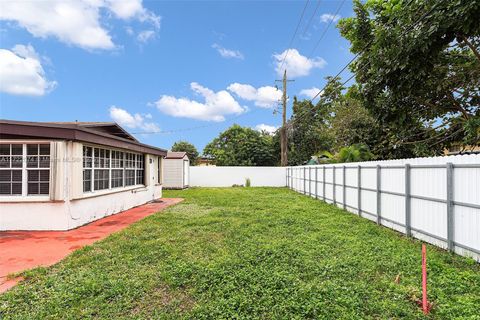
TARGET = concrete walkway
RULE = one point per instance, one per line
(23, 250)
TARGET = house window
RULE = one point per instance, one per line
(111, 169)
(38, 169)
(87, 168)
(117, 169)
(101, 177)
(129, 169)
(140, 169)
(13, 169)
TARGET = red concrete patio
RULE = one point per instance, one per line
(23, 250)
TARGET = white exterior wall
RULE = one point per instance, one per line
(68, 207)
(210, 176)
(174, 173)
(385, 202)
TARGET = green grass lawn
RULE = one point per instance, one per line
(248, 253)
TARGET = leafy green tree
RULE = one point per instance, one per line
(418, 71)
(354, 153)
(242, 146)
(184, 146)
(352, 123)
(308, 130)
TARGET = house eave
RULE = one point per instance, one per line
(24, 130)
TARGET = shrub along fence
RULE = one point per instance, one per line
(435, 199)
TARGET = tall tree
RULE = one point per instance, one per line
(308, 129)
(242, 146)
(418, 71)
(184, 146)
(352, 123)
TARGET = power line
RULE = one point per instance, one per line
(364, 66)
(366, 46)
(326, 28)
(311, 19)
(294, 35)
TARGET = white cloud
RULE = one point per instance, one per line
(266, 128)
(265, 97)
(310, 93)
(327, 17)
(214, 107)
(21, 72)
(296, 64)
(132, 121)
(129, 31)
(76, 22)
(145, 35)
(132, 9)
(227, 53)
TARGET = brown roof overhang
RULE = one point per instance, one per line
(37, 130)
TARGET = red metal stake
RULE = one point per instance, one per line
(425, 307)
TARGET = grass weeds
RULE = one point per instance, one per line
(248, 253)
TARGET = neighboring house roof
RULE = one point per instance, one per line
(103, 133)
(175, 155)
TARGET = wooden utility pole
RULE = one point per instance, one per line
(283, 129)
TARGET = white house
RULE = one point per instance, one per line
(58, 176)
(176, 170)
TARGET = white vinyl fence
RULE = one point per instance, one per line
(211, 176)
(436, 199)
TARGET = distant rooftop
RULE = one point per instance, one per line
(175, 155)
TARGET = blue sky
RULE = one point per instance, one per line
(162, 66)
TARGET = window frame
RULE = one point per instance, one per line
(24, 196)
(123, 167)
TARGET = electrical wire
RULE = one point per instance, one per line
(326, 28)
(363, 67)
(294, 35)
(311, 19)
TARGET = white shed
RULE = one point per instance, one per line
(176, 170)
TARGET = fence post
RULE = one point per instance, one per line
(334, 186)
(323, 194)
(379, 195)
(304, 180)
(450, 212)
(344, 190)
(316, 182)
(286, 177)
(310, 181)
(408, 226)
(297, 179)
(291, 177)
(359, 190)
(294, 179)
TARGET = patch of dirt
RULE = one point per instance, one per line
(165, 299)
